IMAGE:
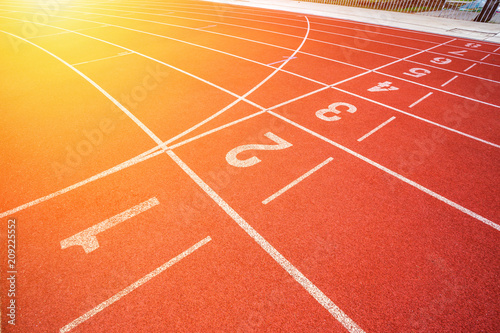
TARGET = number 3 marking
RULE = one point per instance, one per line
(333, 108)
(232, 158)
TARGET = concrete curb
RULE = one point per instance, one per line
(457, 28)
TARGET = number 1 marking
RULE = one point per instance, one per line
(232, 157)
(87, 238)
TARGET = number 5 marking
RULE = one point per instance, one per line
(232, 158)
(418, 72)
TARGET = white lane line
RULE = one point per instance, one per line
(139, 158)
(437, 89)
(217, 129)
(87, 238)
(376, 129)
(104, 92)
(121, 54)
(243, 97)
(486, 56)
(67, 32)
(133, 161)
(296, 181)
(208, 26)
(277, 62)
(456, 72)
(133, 286)
(334, 310)
(498, 48)
(419, 118)
(453, 78)
(227, 10)
(314, 291)
(394, 174)
(150, 58)
(465, 70)
(420, 100)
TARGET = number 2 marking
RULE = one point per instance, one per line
(232, 157)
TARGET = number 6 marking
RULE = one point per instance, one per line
(232, 158)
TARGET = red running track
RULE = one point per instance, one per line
(195, 167)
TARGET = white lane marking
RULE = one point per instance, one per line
(208, 26)
(455, 72)
(254, 28)
(419, 118)
(298, 276)
(486, 56)
(420, 100)
(437, 89)
(87, 238)
(498, 48)
(121, 54)
(296, 181)
(392, 173)
(133, 286)
(151, 58)
(67, 32)
(334, 310)
(243, 97)
(182, 143)
(453, 78)
(277, 62)
(104, 92)
(376, 129)
(139, 158)
(226, 10)
(465, 70)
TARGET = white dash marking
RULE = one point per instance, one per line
(139, 158)
(133, 286)
(314, 291)
(208, 26)
(420, 100)
(498, 48)
(87, 238)
(453, 78)
(486, 56)
(277, 62)
(117, 55)
(376, 129)
(469, 67)
(296, 181)
(395, 174)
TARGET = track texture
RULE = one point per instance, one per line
(186, 166)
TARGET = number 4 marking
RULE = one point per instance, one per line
(460, 53)
(232, 157)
